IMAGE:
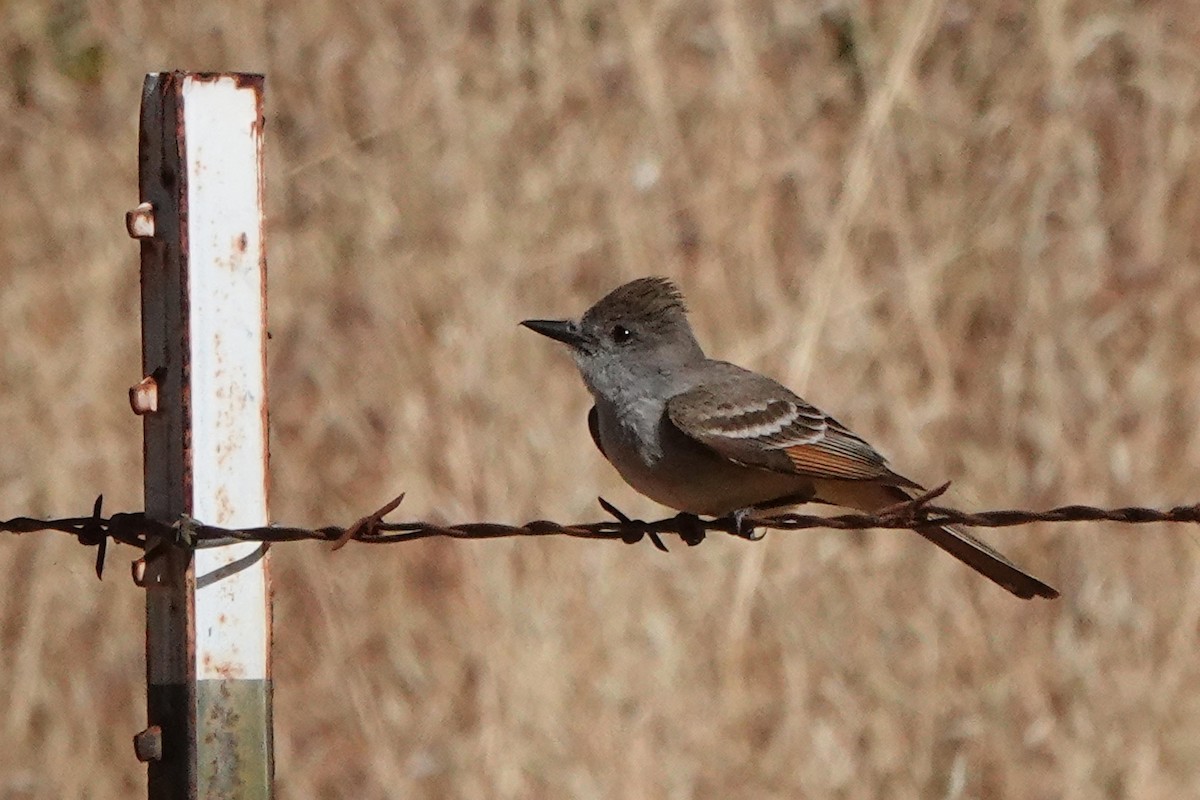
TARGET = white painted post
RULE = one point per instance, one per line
(208, 614)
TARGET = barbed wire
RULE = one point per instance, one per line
(137, 529)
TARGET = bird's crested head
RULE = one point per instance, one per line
(636, 333)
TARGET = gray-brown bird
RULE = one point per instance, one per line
(708, 437)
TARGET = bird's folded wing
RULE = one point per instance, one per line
(760, 423)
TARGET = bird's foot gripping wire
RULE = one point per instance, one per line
(744, 527)
(691, 528)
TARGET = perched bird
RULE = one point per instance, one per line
(708, 437)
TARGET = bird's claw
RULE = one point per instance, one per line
(743, 525)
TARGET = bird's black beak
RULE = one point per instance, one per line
(562, 330)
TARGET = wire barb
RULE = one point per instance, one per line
(136, 529)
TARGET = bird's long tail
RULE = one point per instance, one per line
(958, 543)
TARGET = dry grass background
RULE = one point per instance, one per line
(970, 230)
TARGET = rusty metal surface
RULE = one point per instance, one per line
(147, 745)
(203, 322)
(139, 221)
(143, 395)
(167, 578)
(227, 370)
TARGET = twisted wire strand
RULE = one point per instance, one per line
(139, 530)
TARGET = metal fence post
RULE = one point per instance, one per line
(203, 273)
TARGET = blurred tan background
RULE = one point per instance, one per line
(968, 230)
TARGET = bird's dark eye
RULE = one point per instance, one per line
(621, 334)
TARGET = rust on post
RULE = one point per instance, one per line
(143, 396)
(147, 745)
(137, 571)
(203, 329)
(139, 221)
(227, 326)
(167, 577)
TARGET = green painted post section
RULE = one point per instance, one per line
(234, 715)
